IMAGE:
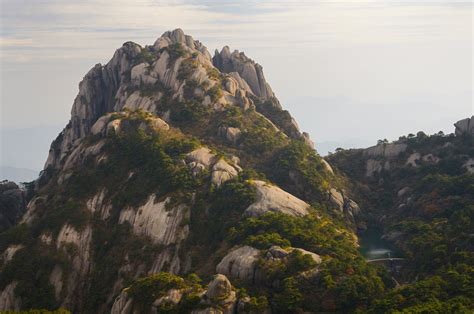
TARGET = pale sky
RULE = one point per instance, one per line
(352, 70)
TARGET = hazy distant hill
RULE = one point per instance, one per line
(17, 174)
(28, 147)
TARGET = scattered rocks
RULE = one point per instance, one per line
(201, 155)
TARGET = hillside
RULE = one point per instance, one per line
(420, 191)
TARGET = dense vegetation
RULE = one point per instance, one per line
(343, 282)
(429, 216)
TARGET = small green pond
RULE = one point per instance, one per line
(373, 246)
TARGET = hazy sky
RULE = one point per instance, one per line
(345, 70)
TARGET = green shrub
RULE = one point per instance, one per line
(215, 92)
(146, 290)
(176, 51)
(186, 69)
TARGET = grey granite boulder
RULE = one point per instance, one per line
(272, 198)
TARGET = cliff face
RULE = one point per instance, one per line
(172, 162)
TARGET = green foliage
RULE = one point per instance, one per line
(71, 212)
(291, 298)
(148, 289)
(306, 168)
(216, 212)
(261, 139)
(186, 69)
(215, 92)
(266, 240)
(256, 304)
(213, 74)
(31, 268)
(149, 90)
(145, 55)
(433, 227)
(311, 233)
(281, 118)
(19, 234)
(175, 51)
(344, 277)
(190, 113)
(177, 148)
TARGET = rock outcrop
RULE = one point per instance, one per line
(272, 198)
(240, 263)
(243, 68)
(12, 204)
(163, 225)
(390, 150)
(465, 126)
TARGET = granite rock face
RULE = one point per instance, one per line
(464, 126)
(240, 263)
(247, 69)
(12, 204)
(390, 150)
(272, 198)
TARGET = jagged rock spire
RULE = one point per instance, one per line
(246, 68)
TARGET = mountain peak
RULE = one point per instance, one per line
(176, 69)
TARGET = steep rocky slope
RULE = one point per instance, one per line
(420, 191)
(180, 184)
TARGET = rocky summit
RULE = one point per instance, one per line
(181, 185)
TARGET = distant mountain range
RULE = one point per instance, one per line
(18, 174)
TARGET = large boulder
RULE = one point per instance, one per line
(271, 198)
(222, 172)
(219, 288)
(464, 126)
(240, 263)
